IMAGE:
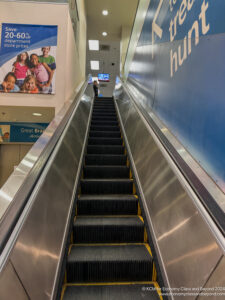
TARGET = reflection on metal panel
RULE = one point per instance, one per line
(188, 249)
(215, 286)
(10, 285)
(42, 228)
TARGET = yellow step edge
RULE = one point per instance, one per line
(131, 175)
(145, 235)
(63, 291)
(154, 274)
(110, 216)
(148, 248)
(140, 217)
(139, 209)
(158, 289)
(134, 189)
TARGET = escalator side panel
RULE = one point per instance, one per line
(185, 244)
(39, 247)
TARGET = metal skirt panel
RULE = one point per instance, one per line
(38, 248)
(188, 250)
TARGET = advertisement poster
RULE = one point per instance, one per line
(21, 132)
(28, 58)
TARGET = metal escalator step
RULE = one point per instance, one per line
(104, 108)
(106, 172)
(105, 128)
(114, 134)
(105, 149)
(109, 263)
(116, 204)
(104, 141)
(103, 118)
(95, 159)
(134, 291)
(103, 113)
(104, 123)
(106, 186)
(110, 106)
(111, 229)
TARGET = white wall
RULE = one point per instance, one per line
(67, 75)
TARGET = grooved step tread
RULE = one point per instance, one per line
(114, 197)
(108, 221)
(111, 229)
(97, 263)
(113, 253)
(142, 291)
(106, 171)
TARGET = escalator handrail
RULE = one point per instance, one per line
(14, 210)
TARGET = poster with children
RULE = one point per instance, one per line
(28, 58)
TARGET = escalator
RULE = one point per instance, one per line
(109, 256)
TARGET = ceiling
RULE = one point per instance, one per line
(118, 17)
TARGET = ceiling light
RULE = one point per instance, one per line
(105, 12)
(93, 44)
(37, 114)
(94, 65)
(104, 33)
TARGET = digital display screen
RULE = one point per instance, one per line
(103, 77)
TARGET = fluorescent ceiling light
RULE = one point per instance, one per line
(37, 114)
(94, 65)
(105, 12)
(104, 33)
(93, 44)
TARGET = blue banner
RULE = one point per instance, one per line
(178, 72)
(21, 132)
(17, 38)
(28, 58)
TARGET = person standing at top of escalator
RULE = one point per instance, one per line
(95, 87)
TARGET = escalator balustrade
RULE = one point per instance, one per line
(109, 257)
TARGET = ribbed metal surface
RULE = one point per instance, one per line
(109, 263)
(108, 230)
(111, 292)
(106, 172)
(107, 205)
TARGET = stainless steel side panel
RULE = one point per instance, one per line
(10, 285)
(187, 250)
(39, 245)
(215, 287)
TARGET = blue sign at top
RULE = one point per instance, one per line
(17, 38)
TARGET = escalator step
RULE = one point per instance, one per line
(106, 186)
(115, 204)
(104, 123)
(105, 114)
(103, 118)
(113, 134)
(109, 229)
(109, 263)
(105, 128)
(106, 172)
(142, 291)
(105, 149)
(92, 159)
(104, 141)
